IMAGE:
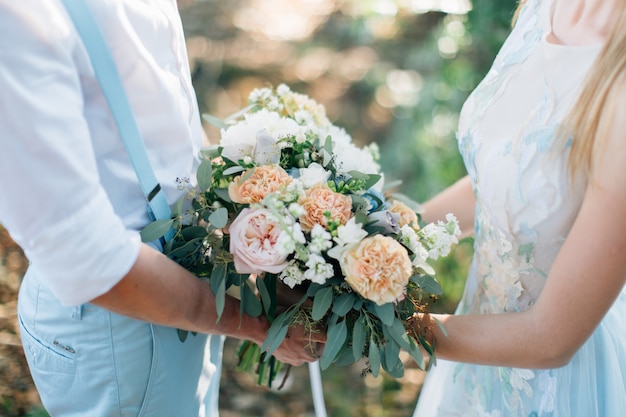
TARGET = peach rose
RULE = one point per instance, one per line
(407, 216)
(378, 268)
(320, 199)
(253, 237)
(265, 179)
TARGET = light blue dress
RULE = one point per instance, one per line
(525, 209)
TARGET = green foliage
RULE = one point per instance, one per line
(37, 412)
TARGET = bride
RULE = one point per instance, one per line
(541, 328)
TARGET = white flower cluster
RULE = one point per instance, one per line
(441, 236)
(293, 240)
(410, 239)
(266, 99)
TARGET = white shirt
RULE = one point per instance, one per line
(68, 194)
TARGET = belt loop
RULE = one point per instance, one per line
(77, 312)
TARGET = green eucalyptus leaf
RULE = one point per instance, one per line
(222, 193)
(234, 170)
(391, 359)
(182, 335)
(177, 207)
(276, 333)
(345, 358)
(359, 203)
(416, 353)
(193, 232)
(426, 345)
(218, 285)
(398, 333)
(332, 319)
(186, 248)
(343, 304)
(327, 157)
(251, 304)
(358, 175)
(266, 298)
(392, 353)
(441, 326)
(313, 289)
(204, 175)
(374, 358)
(427, 283)
(359, 335)
(386, 313)
(321, 303)
(219, 218)
(215, 121)
(156, 229)
(247, 174)
(368, 179)
(211, 152)
(335, 338)
(168, 246)
(328, 144)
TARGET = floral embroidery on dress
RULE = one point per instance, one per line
(547, 384)
(507, 134)
(498, 268)
(516, 382)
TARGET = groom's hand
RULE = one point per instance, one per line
(301, 345)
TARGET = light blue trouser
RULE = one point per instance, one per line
(89, 362)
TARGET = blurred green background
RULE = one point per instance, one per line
(394, 72)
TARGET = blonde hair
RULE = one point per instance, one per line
(589, 120)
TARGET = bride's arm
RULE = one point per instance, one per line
(585, 279)
(457, 199)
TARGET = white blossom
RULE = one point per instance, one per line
(283, 89)
(290, 238)
(320, 239)
(351, 232)
(347, 234)
(441, 236)
(296, 210)
(301, 137)
(260, 95)
(292, 275)
(292, 191)
(314, 174)
(319, 270)
(350, 157)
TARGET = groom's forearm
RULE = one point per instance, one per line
(159, 291)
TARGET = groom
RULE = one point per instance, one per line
(97, 308)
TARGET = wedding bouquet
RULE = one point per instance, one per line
(287, 207)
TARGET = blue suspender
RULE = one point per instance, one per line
(111, 85)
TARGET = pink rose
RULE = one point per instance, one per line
(253, 237)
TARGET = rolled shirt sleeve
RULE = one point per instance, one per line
(69, 196)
